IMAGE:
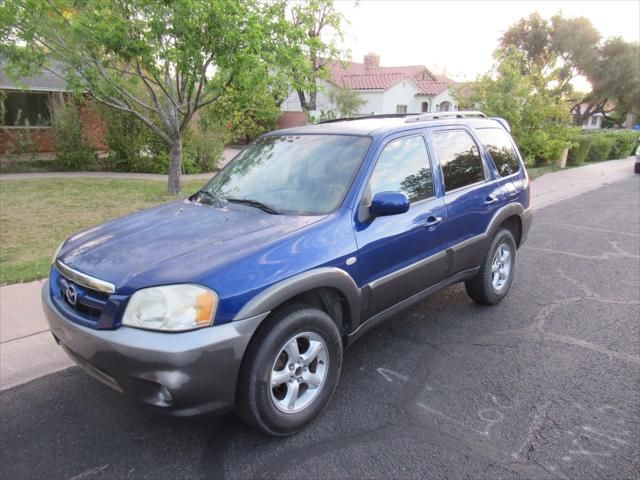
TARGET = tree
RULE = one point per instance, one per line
(561, 49)
(309, 21)
(538, 116)
(183, 55)
(347, 102)
(344, 103)
(246, 110)
(615, 78)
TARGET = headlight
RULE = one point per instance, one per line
(55, 255)
(171, 308)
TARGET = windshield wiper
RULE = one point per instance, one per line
(211, 198)
(254, 203)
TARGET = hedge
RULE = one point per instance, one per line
(602, 145)
(578, 154)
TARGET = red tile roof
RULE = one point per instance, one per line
(355, 76)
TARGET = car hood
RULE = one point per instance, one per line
(120, 250)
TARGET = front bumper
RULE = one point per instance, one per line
(184, 373)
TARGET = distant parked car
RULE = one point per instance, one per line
(245, 294)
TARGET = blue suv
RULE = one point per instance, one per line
(244, 295)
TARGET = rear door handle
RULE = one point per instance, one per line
(433, 221)
(490, 199)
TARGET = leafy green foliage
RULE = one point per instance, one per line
(600, 148)
(311, 31)
(578, 154)
(538, 117)
(615, 76)
(561, 49)
(245, 111)
(131, 146)
(73, 151)
(181, 55)
(203, 148)
(602, 145)
(344, 103)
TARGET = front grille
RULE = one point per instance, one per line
(84, 305)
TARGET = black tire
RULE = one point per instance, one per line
(481, 288)
(636, 167)
(254, 402)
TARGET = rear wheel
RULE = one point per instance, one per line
(290, 371)
(493, 281)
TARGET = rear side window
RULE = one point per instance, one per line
(459, 158)
(404, 166)
(500, 146)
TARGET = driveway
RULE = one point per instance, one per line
(545, 385)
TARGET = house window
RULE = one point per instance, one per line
(425, 106)
(401, 109)
(445, 106)
(24, 109)
(594, 121)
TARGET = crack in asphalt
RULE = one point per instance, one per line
(617, 253)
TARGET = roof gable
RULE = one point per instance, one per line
(357, 76)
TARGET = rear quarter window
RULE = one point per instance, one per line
(501, 149)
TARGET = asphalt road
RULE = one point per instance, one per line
(545, 385)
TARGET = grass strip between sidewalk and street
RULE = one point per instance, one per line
(36, 215)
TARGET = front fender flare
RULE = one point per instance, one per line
(323, 277)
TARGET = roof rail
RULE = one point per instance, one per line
(439, 115)
(502, 122)
(366, 117)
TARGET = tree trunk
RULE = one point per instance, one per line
(303, 101)
(313, 94)
(175, 166)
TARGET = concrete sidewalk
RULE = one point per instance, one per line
(558, 186)
(27, 350)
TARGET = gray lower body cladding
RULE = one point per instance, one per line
(182, 373)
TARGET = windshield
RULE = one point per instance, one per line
(291, 174)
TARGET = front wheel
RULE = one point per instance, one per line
(493, 281)
(290, 371)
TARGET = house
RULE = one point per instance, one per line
(408, 89)
(25, 113)
(592, 122)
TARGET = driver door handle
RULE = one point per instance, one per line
(433, 221)
(490, 199)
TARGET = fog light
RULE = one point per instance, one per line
(164, 396)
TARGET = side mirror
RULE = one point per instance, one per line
(389, 203)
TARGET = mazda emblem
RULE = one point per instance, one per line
(71, 294)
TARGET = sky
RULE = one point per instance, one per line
(458, 37)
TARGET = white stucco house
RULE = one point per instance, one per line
(408, 89)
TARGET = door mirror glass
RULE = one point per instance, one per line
(389, 203)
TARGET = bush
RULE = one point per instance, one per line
(132, 147)
(623, 143)
(578, 154)
(202, 148)
(602, 145)
(73, 152)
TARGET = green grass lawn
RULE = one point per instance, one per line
(36, 215)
